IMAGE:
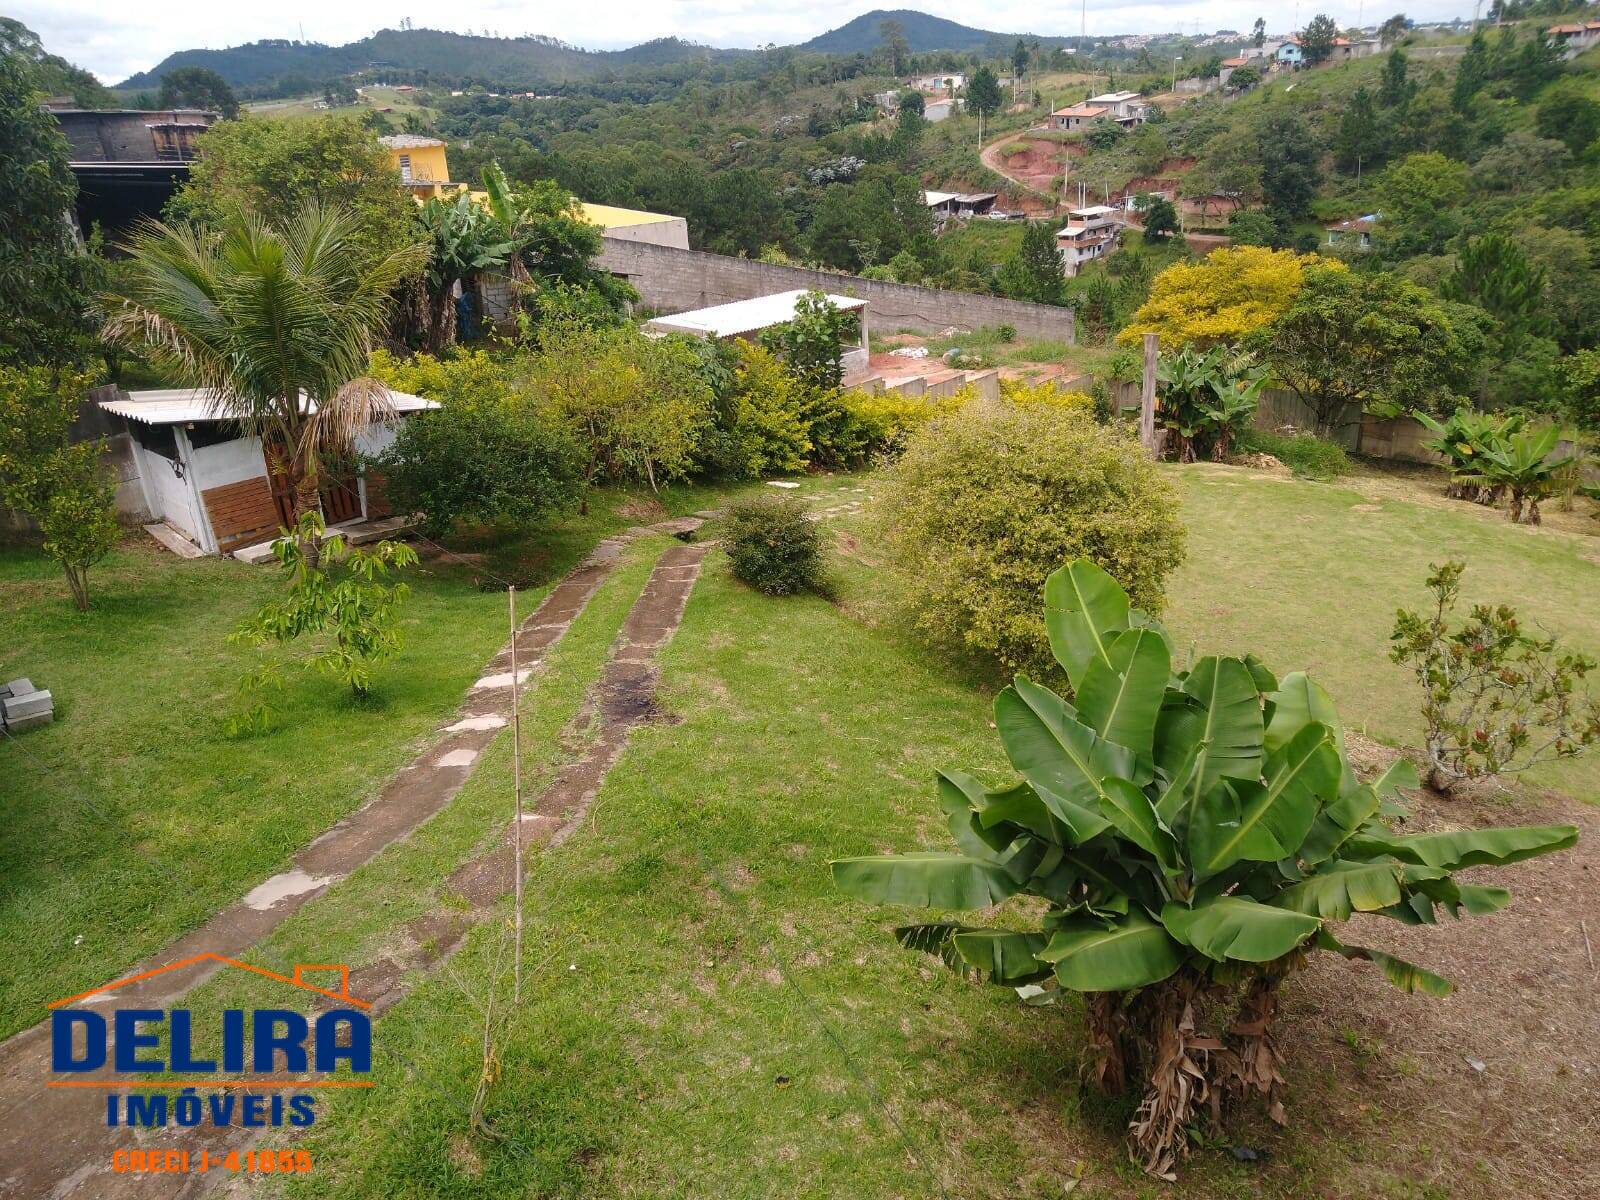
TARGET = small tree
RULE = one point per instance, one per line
(197, 87)
(1495, 700)
(1320, 36)
(983, 95)
(812, 343)
(1160, 216)
(775, 547)
(341, 593)
(1034, 272)
(60, 483)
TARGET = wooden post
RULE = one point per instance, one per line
(516, 788)
(1147, 397)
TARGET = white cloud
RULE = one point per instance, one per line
(115, 42)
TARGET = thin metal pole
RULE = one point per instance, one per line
(516, 787)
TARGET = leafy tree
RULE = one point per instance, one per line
(1189, 838)
(278, 321)
(812, 343)
(1393, 29)
(1572, 284)
(51, 74)
(1317, 42)
(198, 87)
(1493, 273)
(44, 279)
(338, 591)
(1207, 397)
(1218, 300)
(1160, 216)
(555, 246)
(1258, 32)
(1580, 388)
(1290, 174)
(1244, 78)
(1396, 88)
(1034, 272)
(913, 100)
(276, 168)
(1421, 198)
(1521, 162)
(892, 35)
(1228, 165)
(1537, 61)
(339, 92)
(1359, 142)
(48, 476)
(1352, 341)
(1473, 71)
(744, 213)
(1567, 115)
(1490, 665)
(1103, 134)
(1253, 227)
(983, 94)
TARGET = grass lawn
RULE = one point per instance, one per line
(702, 1014)
(134, 816)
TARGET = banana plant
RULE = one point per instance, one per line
(1524, 465)
(1193, 835)
(1464, 439)
(1206, 396)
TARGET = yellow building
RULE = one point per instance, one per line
(423, 168)
(421, 164)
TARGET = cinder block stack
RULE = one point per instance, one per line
(22, 706)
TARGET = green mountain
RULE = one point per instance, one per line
(523, 61)
(922, 32)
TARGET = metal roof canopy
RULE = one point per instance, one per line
(183, 406)
(743, 316)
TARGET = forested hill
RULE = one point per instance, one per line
(922, 33)
(507, 61)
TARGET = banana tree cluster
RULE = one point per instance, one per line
(1494, 457)
(1207, 397)
(1194, 834)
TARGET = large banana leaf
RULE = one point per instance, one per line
(959, 795)
(1130, 810)
(1298, 702)
(1408, 977)
(1183, 788)
(1231, 729)
(1083, 609)
(951, 881)
(1080, 821)
(1467, 847)
(1340, 889)
(1232, 927)
(1019, 805)
(1120, 696)
(1091, 956)
(1052, 749)
(1003, 956)
(1336, 823)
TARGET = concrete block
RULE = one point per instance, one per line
(19, 687)
(30, 704)
(23, 723)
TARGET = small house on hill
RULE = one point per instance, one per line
(946, 206)
(1125, 108)
(1575, 37)
(1077, 116)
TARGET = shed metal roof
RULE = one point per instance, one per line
(742, 316)
(181, 406)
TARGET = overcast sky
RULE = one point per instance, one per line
(114, 41)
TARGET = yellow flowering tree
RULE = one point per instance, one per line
(1218, 300)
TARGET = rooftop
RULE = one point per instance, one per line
(181, 406)
(933, 199)
(1080, 110)
(742, 316)
(607, 217)
(1113, 98)
(408, 141)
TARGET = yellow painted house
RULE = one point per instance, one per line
(423, 168)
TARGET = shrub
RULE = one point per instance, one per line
(769, 417)
(855, 427)
(465, 376)
(1045, 395)
(1308, 456)
(1495, 699)
(1186, 839)
(775, 547)
(989, 499)
(493, 462)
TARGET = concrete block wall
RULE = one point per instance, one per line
(670, 280)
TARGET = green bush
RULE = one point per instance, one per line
(768, 417)
(988, 500)
(491, 463)
(775, 548)
(1307, 456)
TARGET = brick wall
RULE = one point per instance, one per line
(241, 513)
(670, 280)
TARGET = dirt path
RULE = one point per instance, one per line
(54, 1143)
(991, 157)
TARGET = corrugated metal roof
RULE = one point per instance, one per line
(180, 406)
(742, 316)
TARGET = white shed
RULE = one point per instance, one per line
(747, 318)
(212, 485)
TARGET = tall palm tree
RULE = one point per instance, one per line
(277, 322)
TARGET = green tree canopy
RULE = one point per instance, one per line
(1290, 174)
(1421, 198)
(197, 87)
(1321, 33)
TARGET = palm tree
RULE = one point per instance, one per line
(276, 322)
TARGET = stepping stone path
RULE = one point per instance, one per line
(54, 1142)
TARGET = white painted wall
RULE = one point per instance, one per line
(171, 498)
(658, 233)
(228, 462)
